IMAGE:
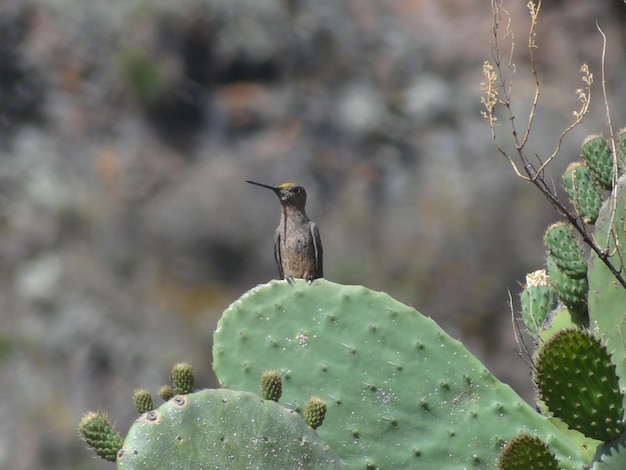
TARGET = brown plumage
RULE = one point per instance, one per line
(297, 244)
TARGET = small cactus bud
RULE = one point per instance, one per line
(526, 451)
(183, 378)
(166, 392)
(314, 412)
(271, 385)
(143, 400)
(99, 434)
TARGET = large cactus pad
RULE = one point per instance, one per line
(223, 429)
(401, 393)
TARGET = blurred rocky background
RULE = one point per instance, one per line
(128, 128)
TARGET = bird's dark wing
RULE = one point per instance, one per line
(319, 251)
(277, 255)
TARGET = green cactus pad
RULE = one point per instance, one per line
(271, 385)
(607, 297)
(525, 452)
(565, 251)
(143, 400)
(99, 434)
(572, 292)
(597, 155)
(577, 382)
(224, 429)
(582, 191)
(401, 393)
(538, 299)
(559, 319)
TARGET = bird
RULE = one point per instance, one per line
(297, 244)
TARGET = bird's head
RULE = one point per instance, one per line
(290, 194)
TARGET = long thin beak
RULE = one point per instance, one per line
(262, 185)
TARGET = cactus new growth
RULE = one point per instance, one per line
(314, 412)
(182, 378)
(271, 385)
(143, 400)
(526, 452)
(166, 392)
(99, 434)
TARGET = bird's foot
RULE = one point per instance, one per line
(289, 279)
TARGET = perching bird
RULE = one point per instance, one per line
(297, 244)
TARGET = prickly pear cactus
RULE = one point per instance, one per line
(571, 291)
(577, 382)
(597, 155)
(538, 299)
(607, 298)
(526, 452)
(580, 361)
(584, 194)
(212, 429)
(565, 251)
(401, 393)
(98, 432)
(223, 429)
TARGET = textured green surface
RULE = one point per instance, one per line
(597, 155)
(559, 319)
(537, 299)
(271, 385)
(142, 398)
(222, 430)
(99, 434)
(582, 191)
(577, 382)
(572, 292)
(401, 393)
(565, 251)
(183, 378)
(526, 452)
(607, 298)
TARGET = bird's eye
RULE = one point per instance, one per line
(296, 190)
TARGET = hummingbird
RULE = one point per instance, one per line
(297, 243)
